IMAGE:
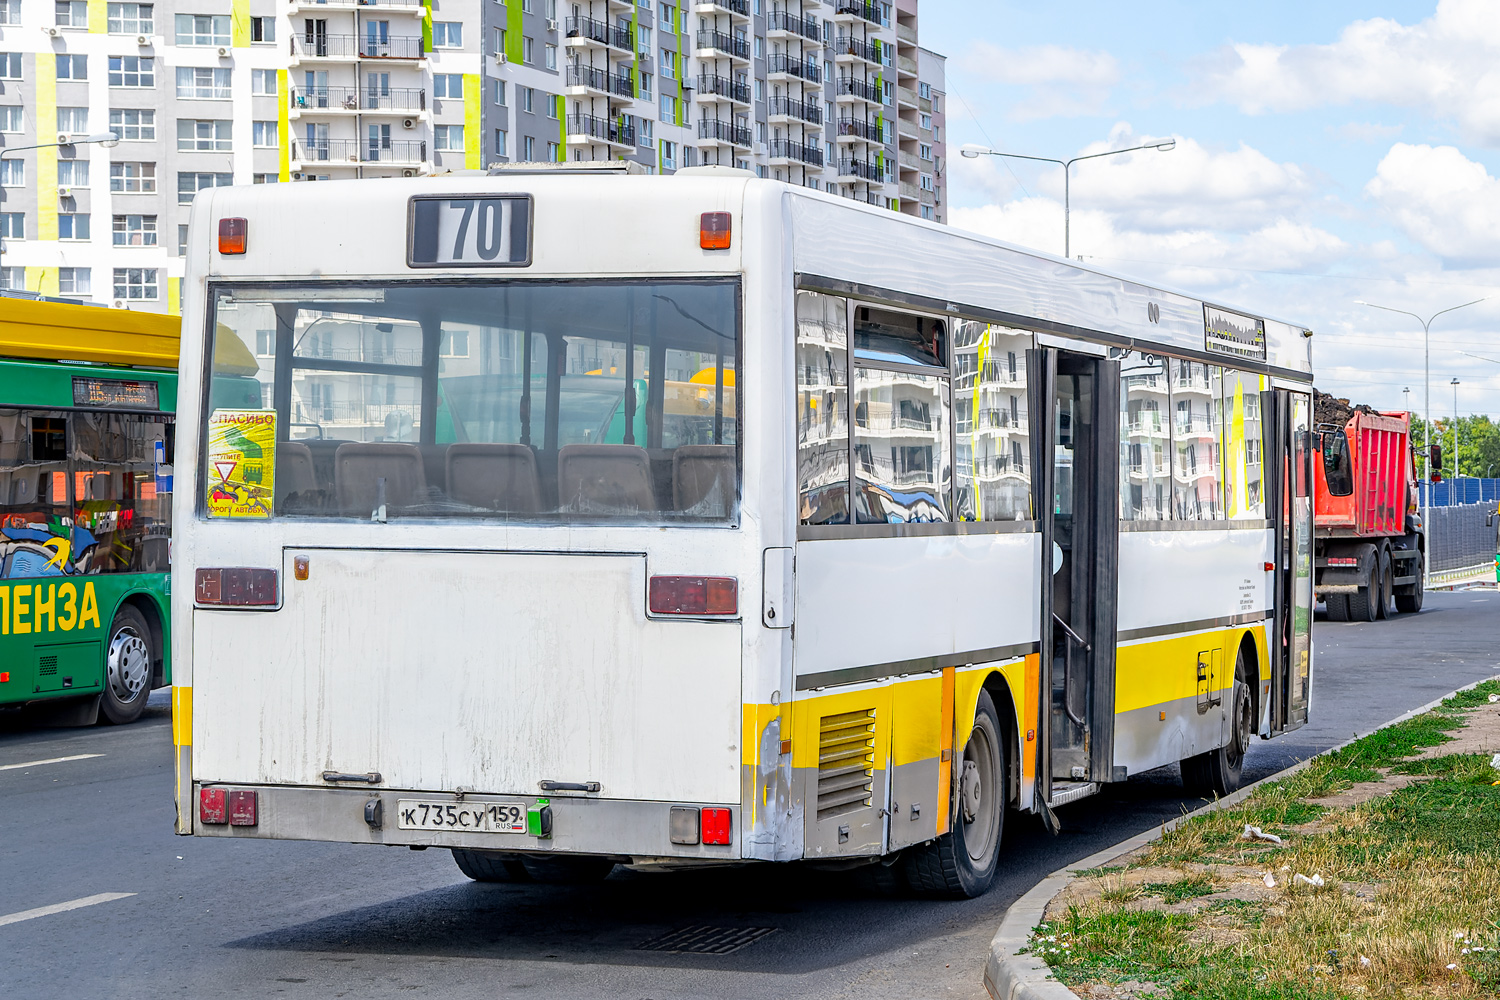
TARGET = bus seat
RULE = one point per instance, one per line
(358, 467)
(494, 476)
(695, 470)
(322, 451)
(604, 478)
(294, 469)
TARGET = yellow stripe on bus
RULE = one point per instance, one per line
(1166, 670)
(182, 716)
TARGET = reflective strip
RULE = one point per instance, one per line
(182, 716)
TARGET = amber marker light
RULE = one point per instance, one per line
(232, 235)
(713, 231)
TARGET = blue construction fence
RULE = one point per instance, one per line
(1451, 492)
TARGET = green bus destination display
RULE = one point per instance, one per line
(114, 392)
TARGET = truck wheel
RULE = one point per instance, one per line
(127, 667)
(1218, 772)
(962, 863)
(1387, 585)
(1362, 602)
(1410, 604)
(490, 866)
(1338, 607)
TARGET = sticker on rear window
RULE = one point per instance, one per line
(241, 462)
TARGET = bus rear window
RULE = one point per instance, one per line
(608, 400)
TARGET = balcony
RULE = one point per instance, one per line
(785, 64)
(847, 47)
(783, 23)
(724, 133)
(379, 6)
(589, 129)
(855, 89)
(906, 129)
(907, 65)
(582, 81)
(908, 161)
(906, 97)
(711, 87)
(865, 170)
(783, 108)
(734, 8)
(712, 43)
(843, 9)
(792, 151)
(592, 33)
(320, 100)
(335, 151)
(349, 47)
(859, 130)
(909, 192)
(906, 34)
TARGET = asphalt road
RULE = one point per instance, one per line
(219, 918)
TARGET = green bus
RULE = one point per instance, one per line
(87, 397)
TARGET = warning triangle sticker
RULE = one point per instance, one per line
(224, 469)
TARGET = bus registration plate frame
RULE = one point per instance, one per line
(505, 816)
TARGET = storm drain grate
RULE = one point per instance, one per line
(702, 940)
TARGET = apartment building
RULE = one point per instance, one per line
(834, 94)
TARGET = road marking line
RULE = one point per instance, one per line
(49, 760)
(47, 911)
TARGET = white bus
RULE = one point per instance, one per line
(568, 519)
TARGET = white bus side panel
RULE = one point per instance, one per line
(864, 601)
(1178, 577)
(372, 664)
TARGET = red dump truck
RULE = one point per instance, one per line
(1370, 543)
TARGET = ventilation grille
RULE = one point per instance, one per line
(47, 666)
(846, 762)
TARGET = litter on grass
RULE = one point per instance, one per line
(1256, 833)
(1300, 879)
(1270, 880)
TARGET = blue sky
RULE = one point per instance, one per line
(1327, 152)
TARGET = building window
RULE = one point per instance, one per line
(668, 15)
(646, 85)
(263, 29)
(924, 151)
(190, 183)
(926, 121)
(550, 55)
(447, 34)
(10, 65)
(264, 134)
(554, 153)
(668, 64)
(10, 119)
(134, 231)
(70, 67)
(926, 182)
(644, 130)
(13, 279)
(529, 144)
(133, 123)
(500, 145)
(448, 85)
(202, 83)
(760, 46)
(553, 103)
(10, 11)
(202, 29)
(72, 173)
(135, 283)
(13, 225)
(202, 136)
(668, 109)
(12, 173)
(74, 281)
(182, 237)
(449, 138)
(72, 13)
(130, 19)
(924, 91)
(668, 155)
(264, 179)
(528, 47)
(72, 226)
(643, 39)
(132, 177)
(73, 120)
(132, 71)
(528, 98)
(499, 92)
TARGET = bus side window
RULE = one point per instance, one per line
(822, 409)
(991, 451)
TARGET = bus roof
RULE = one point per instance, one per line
(63, 331)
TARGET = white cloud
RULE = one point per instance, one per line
(1444, 201)
(1448, 64)
(1058, 81)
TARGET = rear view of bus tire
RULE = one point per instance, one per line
(1218, 772)
(127, 667)
(962, 863)
(489, 866)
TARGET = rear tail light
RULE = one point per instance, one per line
(1342, 561)
(235, 588)
(713, 231)
(233, 235)
(716, 824)
(694, 595)
(243, 807)
(211, 806)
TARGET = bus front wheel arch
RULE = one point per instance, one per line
(152, 614)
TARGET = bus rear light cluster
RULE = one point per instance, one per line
(714, 231)
(233, 236)
(240, 587)
(694, 595)
(708, 825)
(716, 824)
(218, 806)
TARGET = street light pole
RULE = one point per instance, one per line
(1426, 397)
(1454, 383)
(106, 138)
(972, 150)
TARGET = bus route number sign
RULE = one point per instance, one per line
(128, 393)
(469, 231)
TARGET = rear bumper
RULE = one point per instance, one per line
(580, 824)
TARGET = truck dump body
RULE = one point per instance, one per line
(1362, 485)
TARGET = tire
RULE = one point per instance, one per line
(1410, 604)
(489, 866)
(1362, 603)
(575, 870)
(963, 863)
(1387, 586)
(128, 657)
(1219, 771)
(1338, 607)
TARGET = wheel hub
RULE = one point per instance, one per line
(129, 664)
(969, 791)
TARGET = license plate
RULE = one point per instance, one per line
(465, 817)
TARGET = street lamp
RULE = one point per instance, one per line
(972, 150)
(1426, 390)
(107, 139)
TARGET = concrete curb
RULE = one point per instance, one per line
(1012, 976)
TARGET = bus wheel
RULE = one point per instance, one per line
(127, 667)
(1410, 604)
(1218, 772)
(490, 866)
(963, 863)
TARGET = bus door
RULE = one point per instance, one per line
(1289, 507)
(1077, 487)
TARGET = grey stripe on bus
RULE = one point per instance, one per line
(824, 532)
(1151, 631)
(922, 664)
